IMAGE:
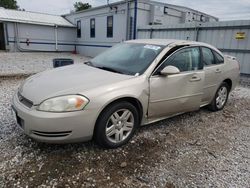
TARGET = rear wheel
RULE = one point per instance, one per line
(116, 125)
(220, 98)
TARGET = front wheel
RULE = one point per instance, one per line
(116, 125)
(220, 98)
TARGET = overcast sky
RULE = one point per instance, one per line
(223, 9)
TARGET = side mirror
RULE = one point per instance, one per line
(170, 70)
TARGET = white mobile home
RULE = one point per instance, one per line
(91, 31)
(29, 31)
(101, 27)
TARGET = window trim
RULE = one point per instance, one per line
(168, 53)
(92, 36)
(112, 17)
(79, 30)
(153, 74)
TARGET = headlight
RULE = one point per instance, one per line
(67, 103)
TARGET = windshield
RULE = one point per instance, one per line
(127, 58)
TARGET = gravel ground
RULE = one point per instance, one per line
(198, 149)
(30, 63)
(245, 80)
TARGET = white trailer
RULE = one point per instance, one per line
(101, 27)
(29, 31)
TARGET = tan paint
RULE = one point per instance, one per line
(160, 96)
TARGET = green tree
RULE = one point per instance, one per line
(9, 4)
(81, 6)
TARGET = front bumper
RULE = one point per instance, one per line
(55, 127)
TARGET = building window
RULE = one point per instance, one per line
(79, 31)
(110, 26)
(92, 28)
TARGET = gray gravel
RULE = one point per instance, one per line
(30, 63)
(198, 149)
(245, 80)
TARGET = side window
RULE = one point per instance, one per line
(110, 26)
(186, 59)
(92, 28)
(79, 31)
(208, 56)
(218, 58)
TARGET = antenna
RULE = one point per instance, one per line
(109, 5)
(111, 8)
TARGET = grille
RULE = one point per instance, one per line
(52, 134)
(24, 101)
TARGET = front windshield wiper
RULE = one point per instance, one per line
(110, 69)
(89, 63)
(103, 68)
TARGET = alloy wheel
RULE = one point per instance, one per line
(221, 97)
(120, 125)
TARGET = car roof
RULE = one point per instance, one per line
(161, 42)
(174, 42)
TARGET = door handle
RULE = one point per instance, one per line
(217, 71)
(195, 79)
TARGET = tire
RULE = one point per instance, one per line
(220, 98)
(116, 125)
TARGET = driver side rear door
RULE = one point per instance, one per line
(177, 93)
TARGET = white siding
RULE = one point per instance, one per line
(92, 46)
(42, 38)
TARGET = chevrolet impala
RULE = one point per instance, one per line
(131, 84)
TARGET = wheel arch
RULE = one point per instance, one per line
(229, 83)
(134, 101)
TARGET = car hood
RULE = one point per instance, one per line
(73, 79)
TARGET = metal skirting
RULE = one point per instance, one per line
(64, 44)
(46, 43)
(235, 50)
(195, 28)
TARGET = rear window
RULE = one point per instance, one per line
(218, 58)
(207, 56)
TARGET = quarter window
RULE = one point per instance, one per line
(92, 28)
(187, 59)
(79, 32)
(110, 26)
(218, 58)
(208, 56)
